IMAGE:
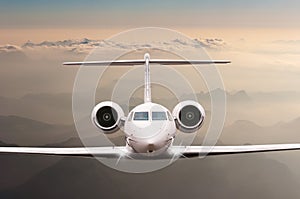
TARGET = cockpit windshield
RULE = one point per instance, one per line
(159, 115)
(141, 116)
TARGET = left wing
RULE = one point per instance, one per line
(192, 151)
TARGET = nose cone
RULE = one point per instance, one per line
(151, 137)
(150, 129)
(149, 148)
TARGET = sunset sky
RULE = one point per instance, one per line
(23, 20)
(108, 14)
(44, 103)
(262, 37)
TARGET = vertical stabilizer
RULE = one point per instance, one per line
(147, 91)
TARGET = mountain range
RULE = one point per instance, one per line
(241, 176)
(21, 131)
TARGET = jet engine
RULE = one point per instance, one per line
(107, 116)
(189, 116)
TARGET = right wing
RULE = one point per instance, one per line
(73, 151)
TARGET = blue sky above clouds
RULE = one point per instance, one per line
(33, 13)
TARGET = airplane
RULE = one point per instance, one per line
(149, 128)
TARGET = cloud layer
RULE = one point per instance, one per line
(10, 48)
(85, 45)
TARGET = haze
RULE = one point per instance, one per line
(261, 38)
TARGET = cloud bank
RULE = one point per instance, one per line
(85, 45)
(10, 48)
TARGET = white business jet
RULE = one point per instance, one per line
(149, 128)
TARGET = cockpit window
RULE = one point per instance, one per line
(130, 116)
(159, 116)
(170, 116)
(143, 116)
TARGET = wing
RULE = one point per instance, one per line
(182, 151)
(75, 151)
(142, 62)
(192, 151)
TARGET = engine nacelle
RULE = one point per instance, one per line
(107, 116)
(189, 116)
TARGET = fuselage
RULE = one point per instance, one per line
(149, 128)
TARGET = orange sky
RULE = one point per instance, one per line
(19, 36)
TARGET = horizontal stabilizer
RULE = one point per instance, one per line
(142, 62)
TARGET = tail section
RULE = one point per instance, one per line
(146, 61)
(147, 91)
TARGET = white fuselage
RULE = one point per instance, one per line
(149, 128)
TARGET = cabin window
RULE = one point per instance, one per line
(159, 115)
(141, 116)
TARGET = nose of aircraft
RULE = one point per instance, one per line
(150, 128)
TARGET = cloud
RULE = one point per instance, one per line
(85, 45)
(211, 43)
(63, 43)
(291, 42)
(11, 53)
(9, 48)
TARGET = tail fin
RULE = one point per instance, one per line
(146, 61)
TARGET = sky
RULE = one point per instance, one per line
(190, 13)
(262, 37)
